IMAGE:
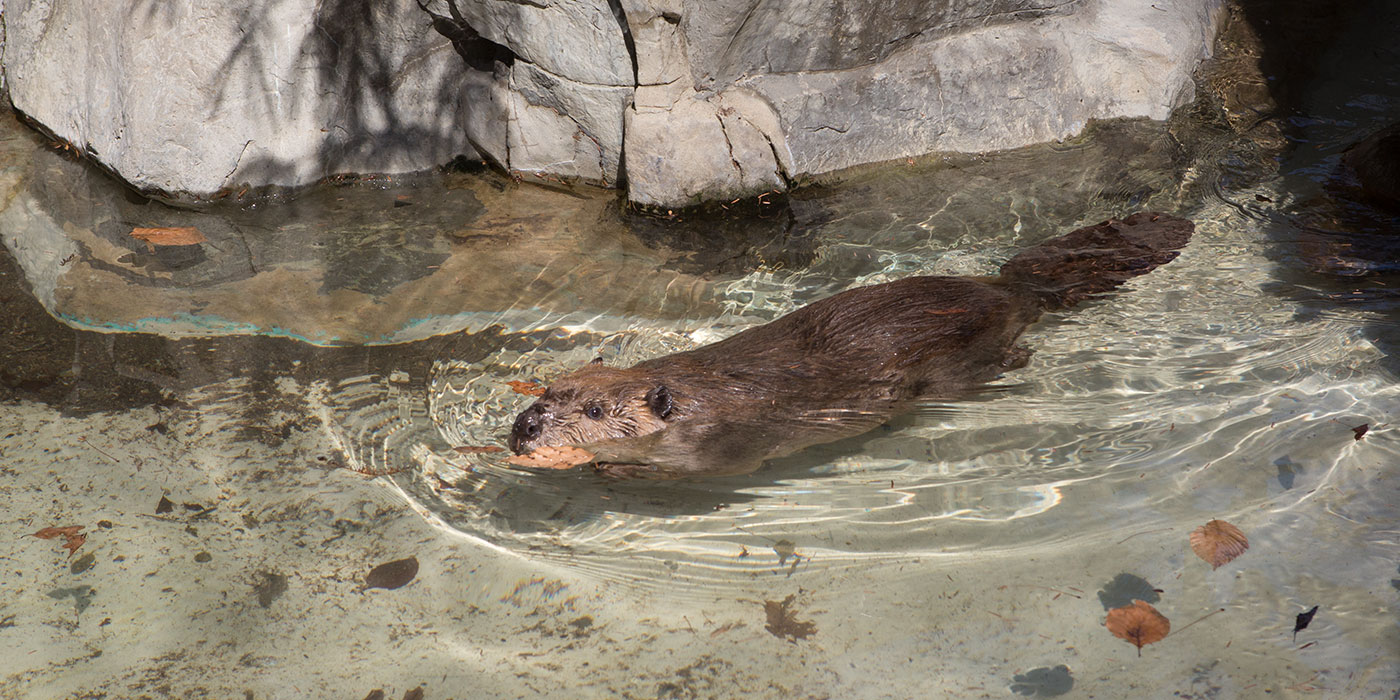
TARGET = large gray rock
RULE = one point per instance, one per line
(685, 101)
(196, 97)
(860, 81)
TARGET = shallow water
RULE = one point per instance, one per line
(294, 388)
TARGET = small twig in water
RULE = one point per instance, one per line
(1031, 585)
(1199, 619)
(1144, 532)
(99, 450)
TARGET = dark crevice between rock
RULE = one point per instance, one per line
(778, 161)
(729, 145)
(621, 16)
(479, 52)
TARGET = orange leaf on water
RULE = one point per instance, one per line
(72, 536)
(527, 388)
(49, 533)
(1218, 542)
(169, 235)
(562, 457)
(74, 542)
(1138, 623)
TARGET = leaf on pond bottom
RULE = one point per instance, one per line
(169, 235)
(561, 457)
(1360, 430)
(1218, 542)
(394, 574)
(1138, 623)
(783, 623)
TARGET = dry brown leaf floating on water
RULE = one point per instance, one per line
(72, 535)
(168, 235)
(562, 457)
(49, 533)
(527, 388)
(1138, 623)
(1218, 542)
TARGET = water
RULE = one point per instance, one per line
(293, 390)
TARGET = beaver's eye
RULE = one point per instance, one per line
(595, 411)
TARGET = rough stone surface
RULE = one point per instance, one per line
(562, 127)
(3, 91)
(845, 82)
(727, 151)
(729, 39)
(194, 98)
(681, 100)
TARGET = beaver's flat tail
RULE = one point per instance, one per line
(1092, 260)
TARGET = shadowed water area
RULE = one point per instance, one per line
(246, 427)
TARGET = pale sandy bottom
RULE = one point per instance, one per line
(150, 619)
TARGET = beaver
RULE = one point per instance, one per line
(837, 367)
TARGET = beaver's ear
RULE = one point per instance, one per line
(659, 399)
(597, 361)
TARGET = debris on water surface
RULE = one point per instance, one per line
(477, 449)
(725, 628)
(787, 550)
(394, 574)
(561, 457)
(72, 535)
(49, 533)
(527, 388)
(1138, 623)
(168, 235)
(783, 622)
(1360, 430)
(1218, 542)
(1301, 623)
(784, 549)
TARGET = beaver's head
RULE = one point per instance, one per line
(593, 404)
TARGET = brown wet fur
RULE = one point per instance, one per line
(837, 367)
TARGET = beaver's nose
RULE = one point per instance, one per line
(527, 427)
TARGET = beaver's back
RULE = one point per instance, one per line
(913, 337)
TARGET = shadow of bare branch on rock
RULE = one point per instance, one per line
(364, 89)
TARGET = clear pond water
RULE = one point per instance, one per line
(247, 427)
